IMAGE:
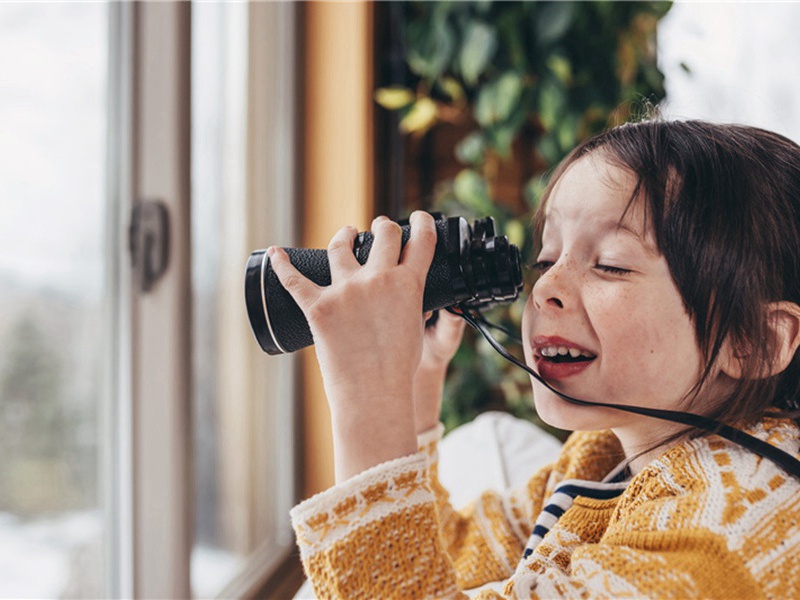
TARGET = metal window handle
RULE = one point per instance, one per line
(149, 242)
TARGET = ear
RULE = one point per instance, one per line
(784, 323)
(783, 320)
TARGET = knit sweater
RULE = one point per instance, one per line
(706, 519)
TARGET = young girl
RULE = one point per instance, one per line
(670, 279)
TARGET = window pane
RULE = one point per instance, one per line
(242, 191)
(743, 59)
(219, 94)
(54, 337)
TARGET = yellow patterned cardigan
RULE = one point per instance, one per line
(707, 519)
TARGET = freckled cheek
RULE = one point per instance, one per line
(626, 333)
(656, 351)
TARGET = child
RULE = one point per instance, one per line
(670, 279)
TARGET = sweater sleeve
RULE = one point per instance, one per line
(375, 536)
(485, 539)
(391, 532)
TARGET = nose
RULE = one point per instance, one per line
(551, 289)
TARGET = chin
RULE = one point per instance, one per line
(558, 413)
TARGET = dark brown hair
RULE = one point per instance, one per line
(723, 202)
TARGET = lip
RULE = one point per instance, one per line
(551, 370)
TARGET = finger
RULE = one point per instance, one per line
(341, 257)
(419, 250)
(304, 291)
(385, 250)
(451, 323)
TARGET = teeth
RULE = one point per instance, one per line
(551, 351)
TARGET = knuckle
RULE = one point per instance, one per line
(338, 244)
(292, 281)
(387, 226)
(388, 279)
(424, 215)
(423, 218)
(428, 236)
(320, 311)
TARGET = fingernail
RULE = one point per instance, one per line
(270, 251)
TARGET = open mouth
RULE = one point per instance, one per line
(559, 358)
(562, 354)
(559, 362)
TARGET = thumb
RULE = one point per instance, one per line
(450, 324)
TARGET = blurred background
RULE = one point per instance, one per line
(147, 447)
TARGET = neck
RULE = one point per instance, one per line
(644, 444)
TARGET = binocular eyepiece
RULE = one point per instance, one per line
(471, 266)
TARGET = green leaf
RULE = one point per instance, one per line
(534, 190)
(480, 43)
(553, 20)
(551, 103)
(431, 47)
(549, 149)
(567, 132)
(471, 189)
(510, 36)
(497, 99)
(471, 149)
(515, 231)
(451, 88)
(482, 7)
(561, 68)
(502, 137)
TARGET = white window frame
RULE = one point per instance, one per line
(149, 474)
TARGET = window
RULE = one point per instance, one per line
(242, 185)
(55, 334)
(743, 60)
(104, 489)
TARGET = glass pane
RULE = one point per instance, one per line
(54, 338)
(219, 95)
(743, 59)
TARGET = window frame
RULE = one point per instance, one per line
(148, 473)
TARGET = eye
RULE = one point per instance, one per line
(612, 270)
(542, 265)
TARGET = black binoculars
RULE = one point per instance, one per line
(472, 267)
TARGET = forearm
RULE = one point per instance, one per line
(428, 388)
(381, 430)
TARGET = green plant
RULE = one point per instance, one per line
(548, 74)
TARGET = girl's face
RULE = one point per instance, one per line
(605, 321)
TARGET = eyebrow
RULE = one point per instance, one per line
(611, 225)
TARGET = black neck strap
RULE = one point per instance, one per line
(786, 461)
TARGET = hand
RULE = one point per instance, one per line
(368, 337)
(439, 346)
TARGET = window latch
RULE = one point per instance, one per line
(149, 242)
